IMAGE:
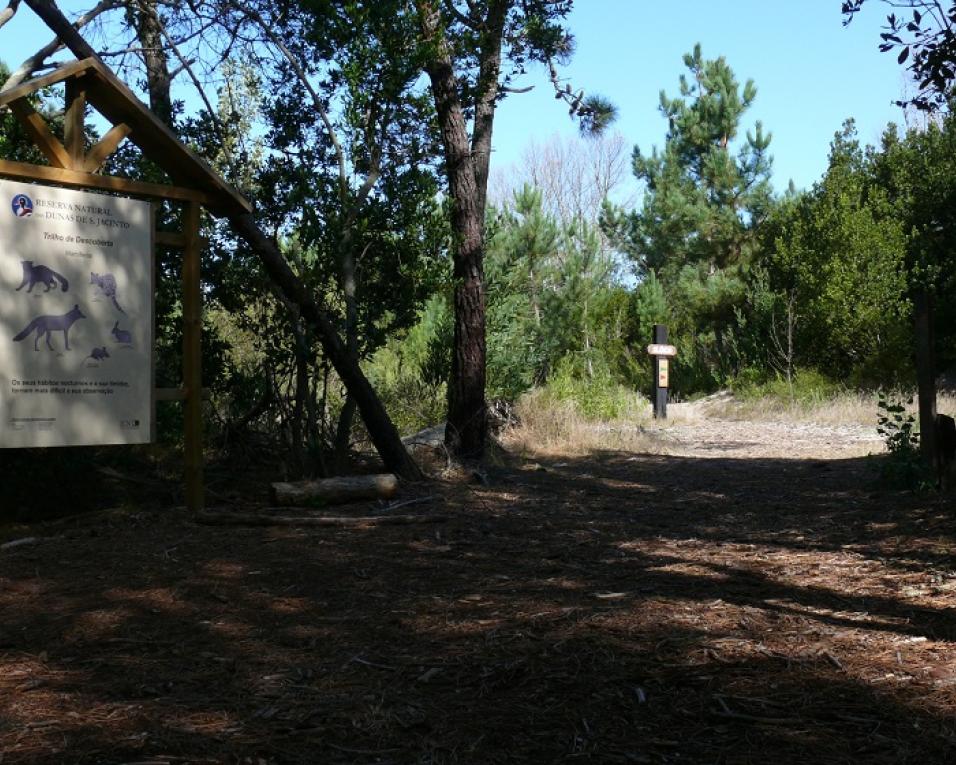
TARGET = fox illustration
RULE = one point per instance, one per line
(98, 354)
(45, 325)
(39, 274)
(107, 285)
(123, 336)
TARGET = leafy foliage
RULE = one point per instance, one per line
(905, 468)
(923, 33)
(842, 253)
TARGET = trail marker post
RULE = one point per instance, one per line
(662, 353)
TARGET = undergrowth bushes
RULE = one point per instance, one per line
(807, 387)
(597, 397)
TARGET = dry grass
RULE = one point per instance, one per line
(546, 427)
(848, 408)
(843, 409)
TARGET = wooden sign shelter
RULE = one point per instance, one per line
(195, 185)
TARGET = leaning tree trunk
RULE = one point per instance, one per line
(382, 431)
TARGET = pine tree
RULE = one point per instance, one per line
(651, 306)
(549, 295)
(707, 192)
(703, 201)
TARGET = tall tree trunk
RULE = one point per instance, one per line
(465, 434)
(343, 431)
(149, 30)
(299, 424)
(466, 162)
(384, 435)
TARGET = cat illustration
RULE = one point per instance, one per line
(98, 354)
(40, 275)
(44, 325)
(107, 285)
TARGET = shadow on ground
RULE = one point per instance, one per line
(619, 608)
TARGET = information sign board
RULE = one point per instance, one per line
(76, 317)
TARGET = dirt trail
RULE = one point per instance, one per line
(752, 598)
(693, 432)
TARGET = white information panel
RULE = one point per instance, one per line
(76, 299)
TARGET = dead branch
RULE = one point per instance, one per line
(36, 61)
(9, 12)
(221, 518)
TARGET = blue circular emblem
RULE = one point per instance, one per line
(22, 206)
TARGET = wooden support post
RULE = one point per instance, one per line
(74, 119)
(192, 359)
(154, 276)
(925, 373)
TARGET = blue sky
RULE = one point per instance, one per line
(811, 72)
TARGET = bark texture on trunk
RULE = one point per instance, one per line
(466, 162)
(150, 33)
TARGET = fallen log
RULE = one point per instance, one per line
(213, 518)
(334, 491)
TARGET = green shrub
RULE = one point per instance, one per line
(412, 400)
(807, 388)
(596, 395)
(904, 467)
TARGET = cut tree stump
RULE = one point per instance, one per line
(334, 491)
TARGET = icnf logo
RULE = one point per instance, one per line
(22, 206)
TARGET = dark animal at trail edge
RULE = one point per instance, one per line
(41, 274)
(945, 448)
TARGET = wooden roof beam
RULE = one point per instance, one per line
(80, 180)
(40, 132)
(110, 142)
(118, 104)
(28, 88)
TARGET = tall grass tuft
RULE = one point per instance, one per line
(575, 416)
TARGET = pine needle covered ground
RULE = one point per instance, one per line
(722, 605)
